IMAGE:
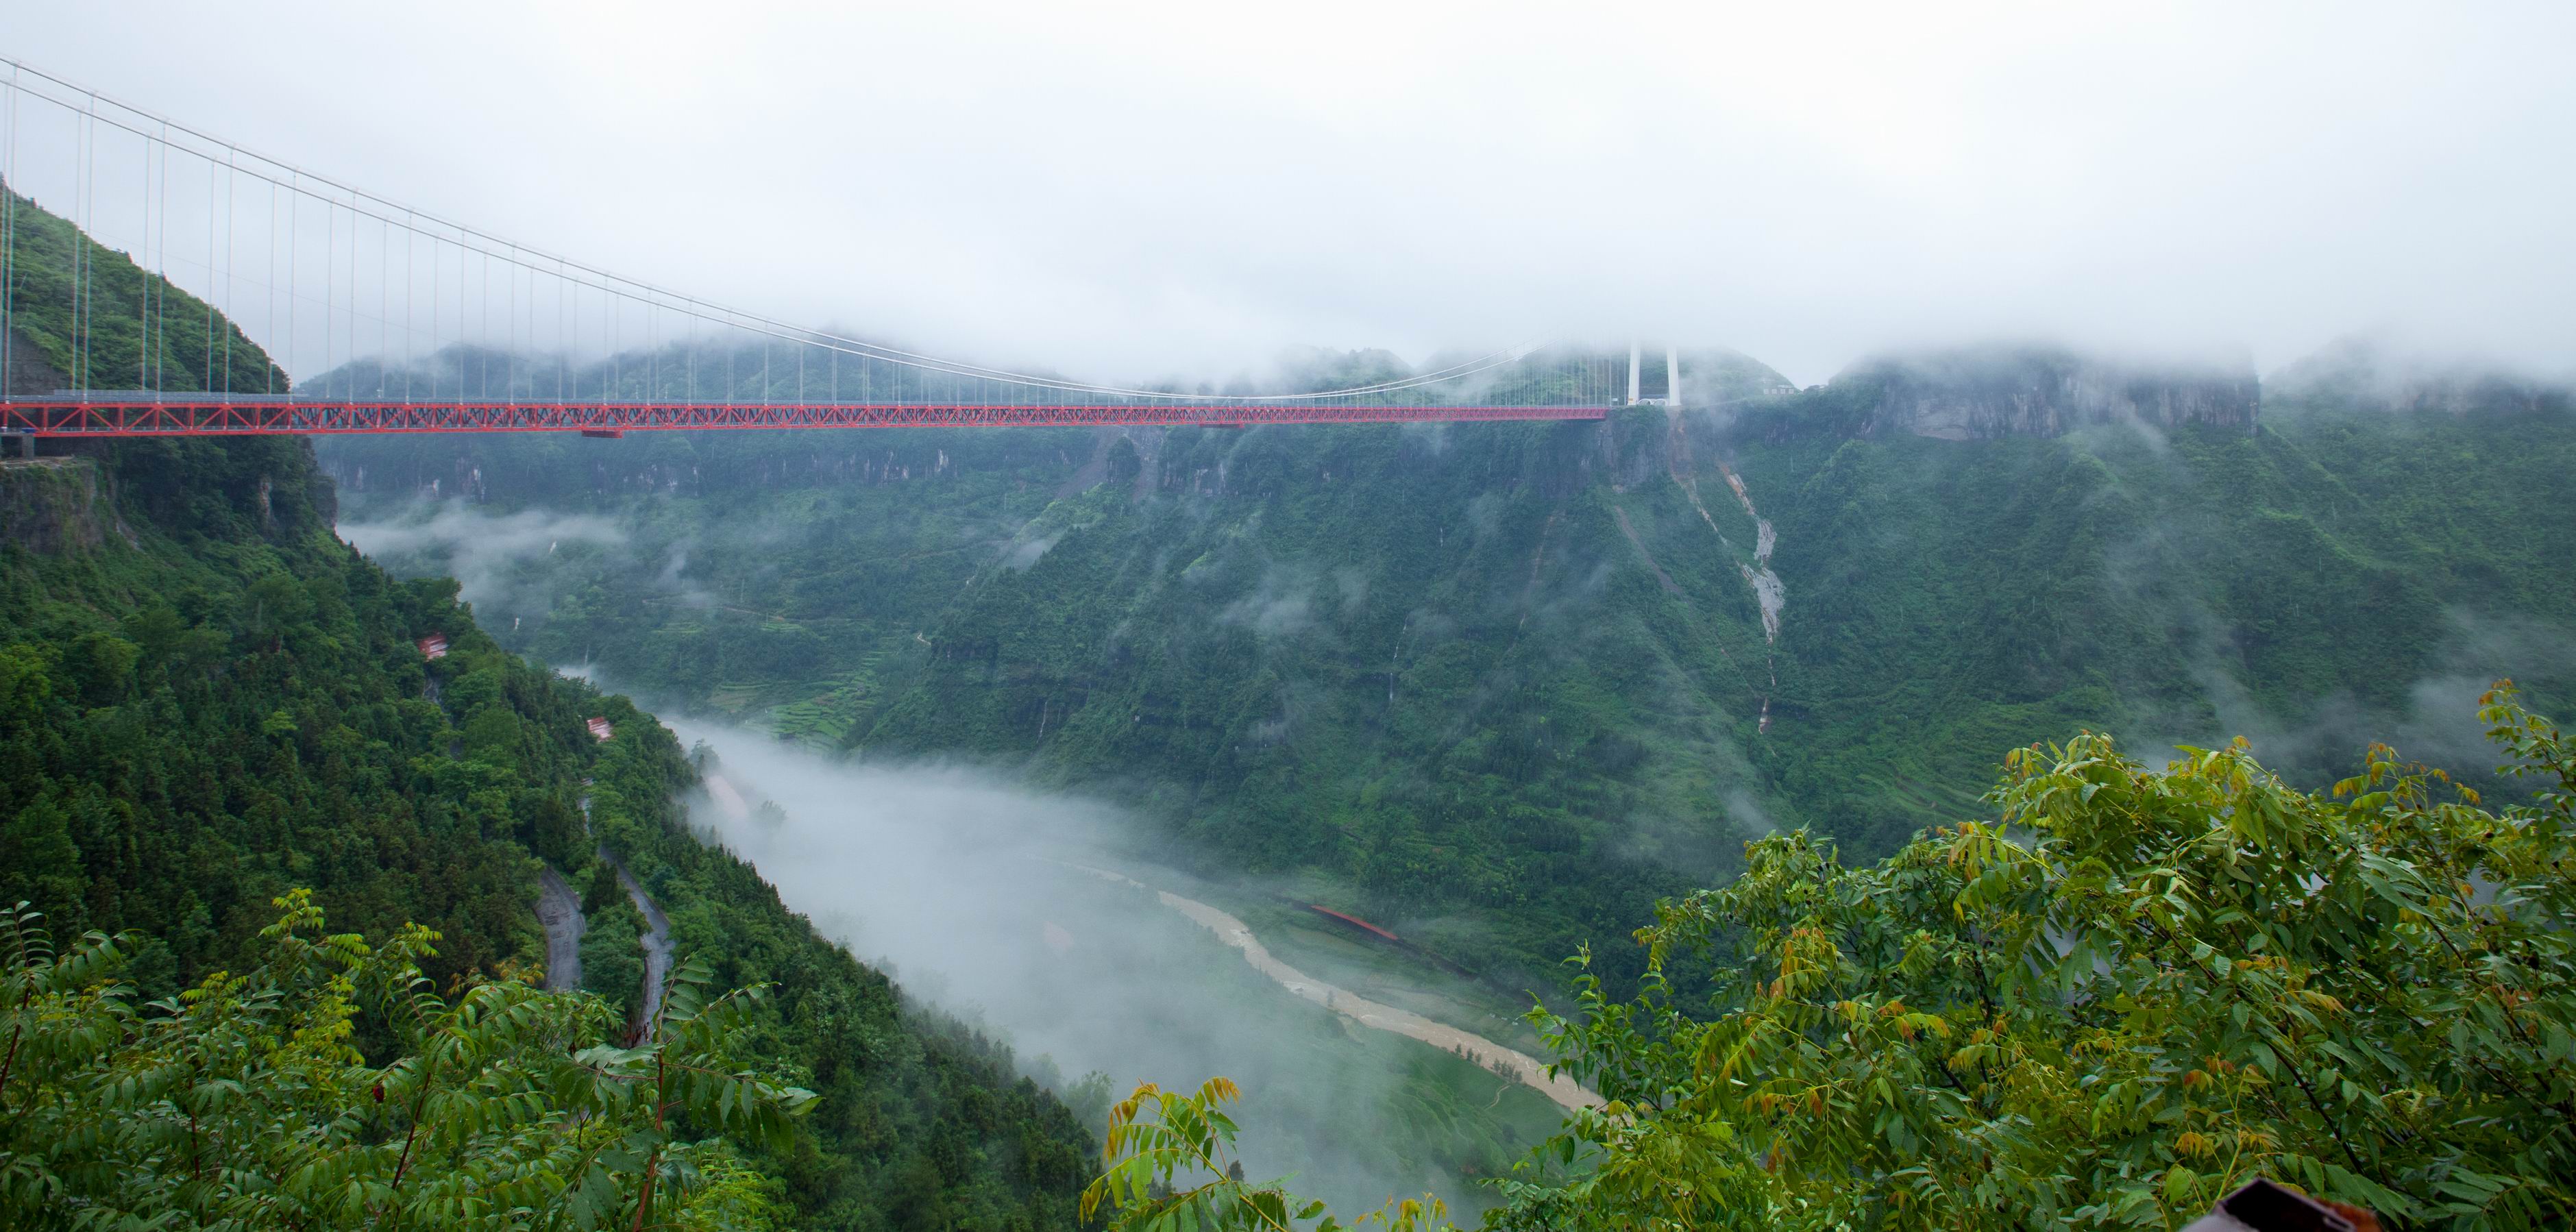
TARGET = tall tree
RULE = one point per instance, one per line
(2128, 993)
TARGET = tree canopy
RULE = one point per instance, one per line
(2126, 994)
(244, 1102)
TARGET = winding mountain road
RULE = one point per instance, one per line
(657, 945)
(559, 910)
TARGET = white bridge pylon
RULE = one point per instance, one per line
(1672, 376)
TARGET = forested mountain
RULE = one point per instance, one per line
(1506, 683)
(208, 701)
(1504, 686)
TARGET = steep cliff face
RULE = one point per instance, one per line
(53, 505)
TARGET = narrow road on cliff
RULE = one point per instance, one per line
(559, 909)
(657, 945)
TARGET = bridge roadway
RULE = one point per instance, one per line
(109, 415)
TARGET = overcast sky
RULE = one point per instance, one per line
(1139, 191)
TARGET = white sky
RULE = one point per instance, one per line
(1139, 191)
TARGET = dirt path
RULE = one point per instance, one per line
(559, 909)
(1564, 1090)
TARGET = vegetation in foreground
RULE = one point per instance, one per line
(245, 1101)
(2128, 994)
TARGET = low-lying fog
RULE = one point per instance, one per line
(974, 894)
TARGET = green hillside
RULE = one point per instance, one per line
(207, 700)
(1504, 684)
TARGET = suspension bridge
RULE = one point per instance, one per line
(163, 281)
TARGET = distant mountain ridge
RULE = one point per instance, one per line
(2363, 374)
(1991, 392)
(1524, 672)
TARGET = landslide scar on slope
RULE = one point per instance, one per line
(1768, 593)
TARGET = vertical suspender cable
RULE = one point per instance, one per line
(437, 298)
(230, 274)
(348, 388)
(294, 281)
(268, 323)
(209, 382)
(161, 293)
(510, 322)
(330, 287)
(80, 247)
(231, 227)
(89, 253)
(80, 218)
(9, 232)
(410, 334)
(143, 266)
(384, 305)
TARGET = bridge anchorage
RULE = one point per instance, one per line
(162, 281)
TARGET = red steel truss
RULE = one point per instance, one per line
(240, 417)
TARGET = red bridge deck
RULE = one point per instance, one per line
(253, 416)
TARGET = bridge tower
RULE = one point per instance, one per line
(1672, 376)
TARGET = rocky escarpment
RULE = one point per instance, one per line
(28, 373)
(57, 504)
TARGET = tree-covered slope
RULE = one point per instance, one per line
(1428, 660)
(2349, 569)
(86, 317)
(1502, 684)
(229, 704)
(207, 700)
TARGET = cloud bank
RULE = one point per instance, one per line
(1146, 190)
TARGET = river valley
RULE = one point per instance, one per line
(1368, 1074)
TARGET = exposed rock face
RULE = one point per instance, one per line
(29, 374)
(1987, 393)
(54, 505)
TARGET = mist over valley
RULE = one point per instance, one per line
(1132, 619)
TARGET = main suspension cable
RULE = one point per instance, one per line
(490, 247)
